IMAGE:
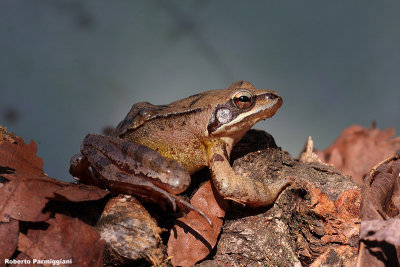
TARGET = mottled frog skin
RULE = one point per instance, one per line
(197, 131)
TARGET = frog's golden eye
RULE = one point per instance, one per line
(243, 99)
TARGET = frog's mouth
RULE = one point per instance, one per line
(272, 102)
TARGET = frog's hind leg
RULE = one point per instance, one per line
(148, 192)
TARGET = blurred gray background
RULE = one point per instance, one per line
(68, 68)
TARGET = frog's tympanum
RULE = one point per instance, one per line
(188, 134)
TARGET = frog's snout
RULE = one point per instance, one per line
(272, 96)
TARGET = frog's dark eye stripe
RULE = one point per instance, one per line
(242, 99)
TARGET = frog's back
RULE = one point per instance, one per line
(143, 112)
(175, 131)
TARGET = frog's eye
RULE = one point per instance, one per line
(243, 99)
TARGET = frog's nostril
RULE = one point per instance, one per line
(271, 96)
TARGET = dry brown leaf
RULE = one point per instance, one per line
(357, 150)
(381, 192)
(25, 194)
(65, 238)
(6, 136)
(22, 257)
(21, 157)
(378, 230)
(380, 209)
(192, 238)
(9, 239)
(77, 193)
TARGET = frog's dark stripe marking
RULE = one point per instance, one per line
(195, 110)
(176, 113)
(216, 157)
(197, 99)
(226, 153)
(124, 149)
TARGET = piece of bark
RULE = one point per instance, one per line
(252, 141)
(357, 150)
(335, 257)
(316, 215)
(132, 236)
(380, 209)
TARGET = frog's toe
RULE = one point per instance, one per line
(186, 206)
(171, 200)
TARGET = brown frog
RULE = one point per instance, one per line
(150, 152)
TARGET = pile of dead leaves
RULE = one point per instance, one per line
(314, 222)
(31, 228)
(357, 150)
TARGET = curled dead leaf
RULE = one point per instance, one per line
(63, 238)
(380, 208)
(9, 238)
(378, 230)
(25, 192)
(357, 150)
(192, 238)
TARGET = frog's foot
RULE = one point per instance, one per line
(271, 192)
(240, 188)
(187, 206)
(235, 200)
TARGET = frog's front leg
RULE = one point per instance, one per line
(239, 188)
